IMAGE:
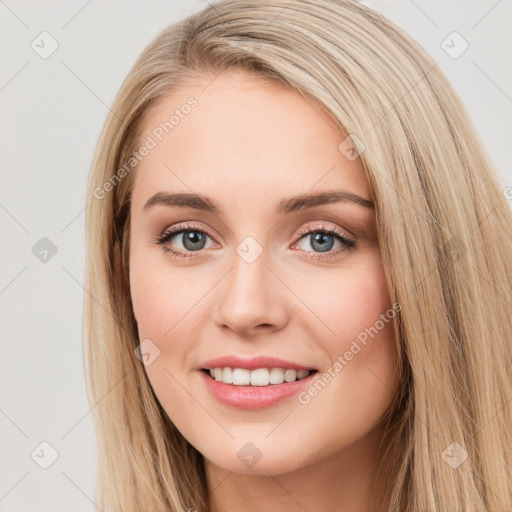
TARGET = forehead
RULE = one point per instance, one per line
(245, 140)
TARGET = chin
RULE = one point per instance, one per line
(247, 458)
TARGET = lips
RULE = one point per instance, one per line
(253, 363)
(254, 397)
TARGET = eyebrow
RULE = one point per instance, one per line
(291, 204)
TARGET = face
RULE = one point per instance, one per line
(259, 276)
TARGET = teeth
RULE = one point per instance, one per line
(259, 377)
(241, 377)
(227, 375)
(290, 375)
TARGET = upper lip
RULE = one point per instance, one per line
(252, 363)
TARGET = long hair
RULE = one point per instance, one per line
(444, 229)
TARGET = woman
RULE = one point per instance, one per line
(299, 274)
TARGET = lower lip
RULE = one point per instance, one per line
(254, 397)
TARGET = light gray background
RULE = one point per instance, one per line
(52, 112)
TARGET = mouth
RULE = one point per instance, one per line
(260, 377)
(256, 389)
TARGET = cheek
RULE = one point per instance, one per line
(348, 301)
(150, 305)
(163, 304)
(163, 299)
(357, 325)
(168, 304)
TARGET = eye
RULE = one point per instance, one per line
(192, 238)
(322, 239)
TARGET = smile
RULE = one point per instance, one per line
(246, 395)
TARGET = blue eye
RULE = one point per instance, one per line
(194, 239)
(322, 239)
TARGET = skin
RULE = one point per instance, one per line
(249, 144)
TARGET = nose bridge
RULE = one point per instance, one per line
(248, 280)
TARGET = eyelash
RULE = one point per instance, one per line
(166, 235)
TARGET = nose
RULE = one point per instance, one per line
(251, 299)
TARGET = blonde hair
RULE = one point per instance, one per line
(444, 227)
